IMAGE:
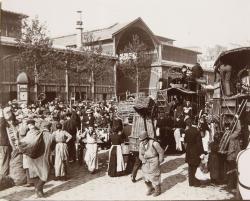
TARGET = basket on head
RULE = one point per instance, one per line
(145, 106)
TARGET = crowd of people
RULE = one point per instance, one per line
(37, 138)
(200, 135)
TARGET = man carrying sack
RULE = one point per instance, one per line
(36, 145)
(151, 154)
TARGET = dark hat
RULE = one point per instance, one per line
(31, 121)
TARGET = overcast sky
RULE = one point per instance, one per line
(189, 22)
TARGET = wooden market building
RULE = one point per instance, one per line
(113, 39)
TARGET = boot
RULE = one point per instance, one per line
(133, 179)
(39, 194)
(157, 190)
(150, 188)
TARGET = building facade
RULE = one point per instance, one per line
(113, 40)
(54, 85)
(165, 55)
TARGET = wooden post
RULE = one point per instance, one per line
(93, 86)
(36, 83)
(115, 80)
(67, 85)
(137, 82)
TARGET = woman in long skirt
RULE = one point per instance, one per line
(116, 163)
(91, 155)
(61, 138)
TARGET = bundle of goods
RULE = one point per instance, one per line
(145, 107)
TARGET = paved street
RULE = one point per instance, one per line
(100, 186)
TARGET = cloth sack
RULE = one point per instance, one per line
(202, 172)
(33, 147)
(200, 175)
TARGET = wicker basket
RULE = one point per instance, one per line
(145, 106)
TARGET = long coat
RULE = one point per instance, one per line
(151, 156)
(194, 146)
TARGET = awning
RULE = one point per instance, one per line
(176, 91)
(238, 58)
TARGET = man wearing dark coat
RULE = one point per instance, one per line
(194, 149)
(71, 125)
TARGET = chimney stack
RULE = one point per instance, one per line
(79, 27)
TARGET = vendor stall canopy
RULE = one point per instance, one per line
(238, 58)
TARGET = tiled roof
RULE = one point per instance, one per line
(15, 13)
(107, 33)
(66, 40)
(164, 39)
(98, 34)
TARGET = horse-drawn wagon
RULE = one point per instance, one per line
(232, 91)
(232, 98)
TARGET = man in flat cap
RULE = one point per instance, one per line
(151, 154)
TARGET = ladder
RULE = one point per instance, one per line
(162, 101)
(223, 146)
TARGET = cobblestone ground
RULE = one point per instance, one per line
(83, 186)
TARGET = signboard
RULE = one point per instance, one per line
(23, 96)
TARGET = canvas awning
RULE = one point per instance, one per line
(238, 58)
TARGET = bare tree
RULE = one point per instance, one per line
(135, 61)
(95, 64)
